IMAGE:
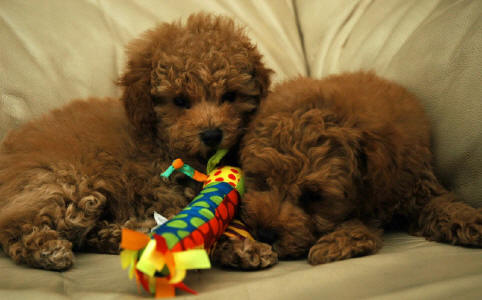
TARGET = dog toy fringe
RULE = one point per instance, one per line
(159, 260)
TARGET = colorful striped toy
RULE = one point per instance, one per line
(159, 260)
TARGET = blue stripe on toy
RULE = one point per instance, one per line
(201, 210)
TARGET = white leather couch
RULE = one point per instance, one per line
(53, 51)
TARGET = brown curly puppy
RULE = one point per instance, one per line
(72, 179)
(330, 163)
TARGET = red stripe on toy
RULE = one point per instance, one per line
(233, 197)
(161, 245)
(143, 280)
(184, 287)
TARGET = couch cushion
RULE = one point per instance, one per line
(406, 268)
(57, 50)
(431, 47)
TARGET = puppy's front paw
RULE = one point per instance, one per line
(143, 226)
(54, 255)
(244, 254)
(329, 249)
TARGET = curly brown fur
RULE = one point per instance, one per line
(71, 179)
(329, 163)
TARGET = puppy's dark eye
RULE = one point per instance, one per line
(181, 101)
(310, 200)
(309, 196)
(229, 97)
(156, 99)
(257, 181)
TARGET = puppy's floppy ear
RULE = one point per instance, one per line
(137, 85)
(262, 77)
(373, 159)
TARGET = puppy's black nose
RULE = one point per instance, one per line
(267, 235)
(212, 137)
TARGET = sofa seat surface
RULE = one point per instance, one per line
(407, 267)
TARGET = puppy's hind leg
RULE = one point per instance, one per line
(42, 247)
(435, 213)
(28, 234)
(445, 219)
(45, 220)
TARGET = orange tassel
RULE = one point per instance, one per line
(133, 240)
(164, 289)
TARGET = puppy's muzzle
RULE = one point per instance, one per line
(211, 137)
